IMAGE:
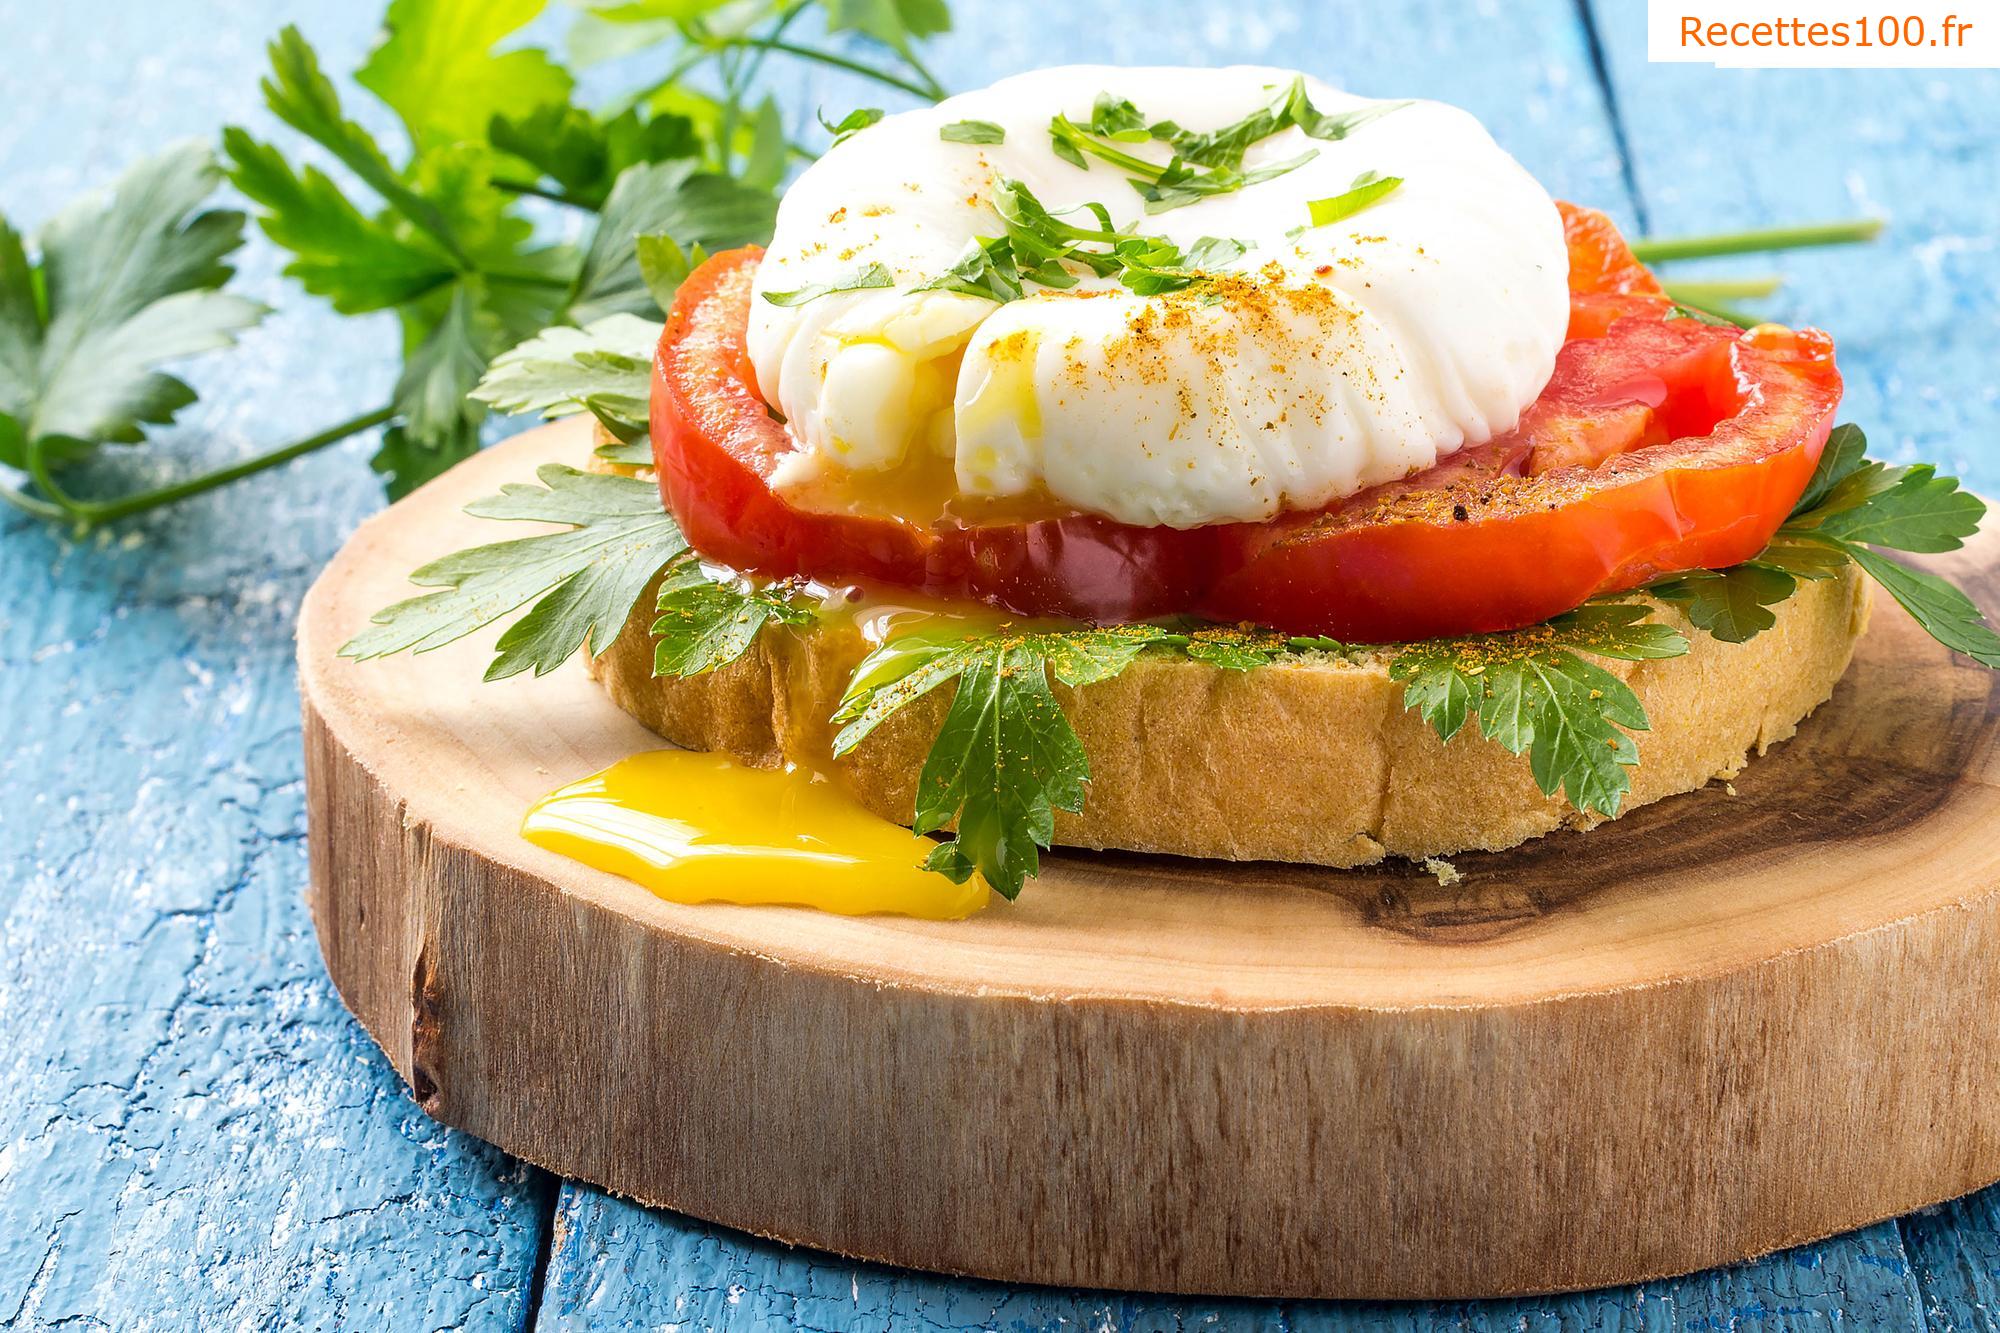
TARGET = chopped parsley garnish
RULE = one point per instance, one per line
(1368, 188)
(865, 278)
(986, 269)
(1038, 244)
(851, 124)
(1116, 119)
(972, 131)
(1206, 163)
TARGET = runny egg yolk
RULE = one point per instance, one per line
(700, 828)
(886, 395)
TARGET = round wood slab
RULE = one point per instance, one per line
(1719, 1026)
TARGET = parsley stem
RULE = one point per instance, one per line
(938, 91)
(833, 61)
(740, 76)
(1709, 306)
(540, 192)
(1124, 161)
(1653, 250)
(28, 504)
(524, 278)
(91, 512)
(1701, 291)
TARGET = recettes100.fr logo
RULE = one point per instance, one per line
(1747, 34)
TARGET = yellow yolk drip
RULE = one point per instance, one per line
(1004, 400)
(698, 828)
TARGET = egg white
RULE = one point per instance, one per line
(1322, 363)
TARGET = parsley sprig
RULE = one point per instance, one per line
(1536, 692)
(428, 223)
(1854, 508)
(579, 584)
(1005, 758)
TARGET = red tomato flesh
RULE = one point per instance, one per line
(1660, 444)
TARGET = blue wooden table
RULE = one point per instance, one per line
(192, 1131)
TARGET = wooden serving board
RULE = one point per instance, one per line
(1722, 1025)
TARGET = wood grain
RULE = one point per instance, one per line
(1186, 1075)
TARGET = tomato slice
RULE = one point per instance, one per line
(717, 444)
(1660, 444)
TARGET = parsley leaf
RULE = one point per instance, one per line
(708, 622)
(584, 581)
(1206, 163)
(1904, 508)
(1115, 118)
(986, 269)
(356, 262)
(1945, 613)
(1852, 504)
(1730, 604)
(972, 131)
(1534, 694)
(437, 70)
(1041, 243)
(664, 266)
(1368, 188)
(894, 23)
(122, 285)
(1005, 758)
(604, 369)
(1167, 186)
(663, 198)
(862, 279)
(440, 420)
(299, 93)
(1330, 127)
(851, 124)
(1152, 266)
(585, 155)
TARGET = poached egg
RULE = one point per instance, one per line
(1321, 361)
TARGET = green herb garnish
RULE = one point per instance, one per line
(605, 369)
(1006, 758)
(972, 131)
(865, 278)
(1038, 244)
(1368, 188)
(708, 621)
(852, 123)
(119, 286)
(1203, 164)
(583, 582)
(1534, 693)
(1852, 506)
(986, 269)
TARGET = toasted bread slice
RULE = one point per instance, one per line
(1313, 759)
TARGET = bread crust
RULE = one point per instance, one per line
(1313, 759)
